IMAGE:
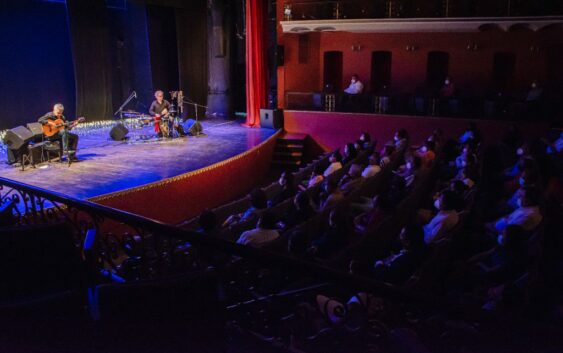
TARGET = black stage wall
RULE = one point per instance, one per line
(90, 57)
(36, 67)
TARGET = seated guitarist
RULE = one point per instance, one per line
(68, 139)
(157, 107)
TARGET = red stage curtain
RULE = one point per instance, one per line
(256, 66)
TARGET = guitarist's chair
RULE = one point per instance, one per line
(53, 148)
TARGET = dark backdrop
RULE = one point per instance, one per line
(36, 69)
(90, 57)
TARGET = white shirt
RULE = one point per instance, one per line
(333, 167)
(438, 227)
(355, 88)
(526, 217)
(258, 237)
(315, 181)
(371, 170)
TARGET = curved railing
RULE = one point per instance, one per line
(117, 231)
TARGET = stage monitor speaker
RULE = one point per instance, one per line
(271, 118)
(17, 137)
(193, 127)
(118, 132)
(36, 129)
(280, 55)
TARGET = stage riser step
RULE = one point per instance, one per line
(289, 151)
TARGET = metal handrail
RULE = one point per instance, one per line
(261, 256)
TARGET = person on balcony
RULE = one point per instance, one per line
(448, 89)
(351, 97)
(356, 86)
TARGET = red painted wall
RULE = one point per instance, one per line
(333, 130)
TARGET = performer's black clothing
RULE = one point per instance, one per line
(157, 108)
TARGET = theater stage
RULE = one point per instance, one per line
(108, 166)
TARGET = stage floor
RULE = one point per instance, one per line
(107, 166)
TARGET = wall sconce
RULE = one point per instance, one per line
(356, 47)
(535, 49)
(472, 47)
(411, 48)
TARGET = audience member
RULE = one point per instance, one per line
(207, 222)
(397, 268)
(527, 215)
(427, 153)
(401, 139)
(335, 235)
(316, 177)
(387, 153)
(471, 134)
(263, 234)
(369, 220)
(258, 201)
(335, 164)
(356, 87)
(351, 180)
(331, 196)
(373, 167)
(301, 211)
(437, 230)
(286, 181)
(448, 89)
(350, 153)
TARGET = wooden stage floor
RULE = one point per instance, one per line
(107, 166)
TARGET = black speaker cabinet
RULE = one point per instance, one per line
(17, 137)
(193, 127)
(271, 118)
(118, 132)
(37, 130)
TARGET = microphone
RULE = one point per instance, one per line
(135, 94)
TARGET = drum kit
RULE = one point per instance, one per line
(169, 122)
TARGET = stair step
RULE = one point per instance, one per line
(287, 162)
(290, 145)
(289, 153)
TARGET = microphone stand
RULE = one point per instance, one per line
(196, 106)
(120, 109)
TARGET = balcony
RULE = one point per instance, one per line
(381, 16)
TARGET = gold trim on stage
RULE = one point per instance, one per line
(185, 175)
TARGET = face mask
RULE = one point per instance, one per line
(423, 149)
(396, 138)
(409, 165)
(521, 181)
(500, 240)
(520, 151)
(437, 204)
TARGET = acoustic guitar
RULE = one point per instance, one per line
(53, 127)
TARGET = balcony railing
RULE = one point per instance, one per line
(299, 10)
